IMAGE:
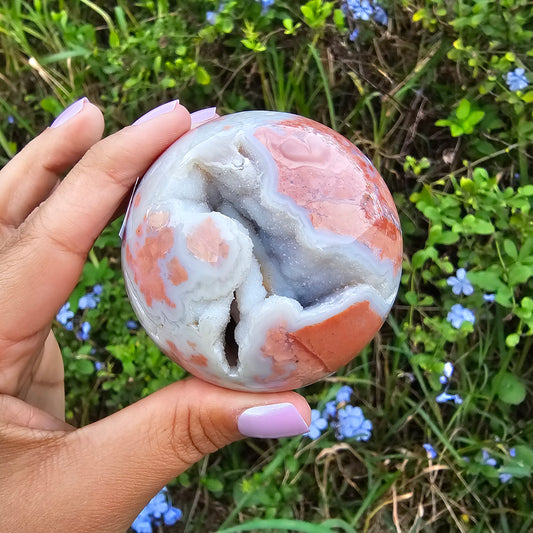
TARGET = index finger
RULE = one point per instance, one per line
(43, 262)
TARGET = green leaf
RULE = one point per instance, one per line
(509, 389)
(456, 130)
(114, 41)
(463, 110)
(338, 19)
(510, 248)
(527, 303)
(512, 340)
(411, 297)
(486, 280)
(447, 237)
(477, 225)
(524, 454)
(212, 484)
(519, 273)
(51, 105)
(84, 367)
(475, 117)
(202, 76)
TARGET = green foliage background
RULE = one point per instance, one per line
(426, 98)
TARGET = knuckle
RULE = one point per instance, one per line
(193, 435)
(39, 226)
(107, 160)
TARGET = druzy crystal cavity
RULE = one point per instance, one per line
(262, 251)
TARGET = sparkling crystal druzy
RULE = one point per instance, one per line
(262, 251)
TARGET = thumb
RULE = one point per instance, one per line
(120, 462)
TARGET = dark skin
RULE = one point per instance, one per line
(55, 477)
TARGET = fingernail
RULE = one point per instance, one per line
(160, 110)
(272, 421)
(203, 115)
(69, 112)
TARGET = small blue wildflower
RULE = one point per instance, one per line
(430, 450)
(512, 452)
(447, 373)
(516, 79)
(460, 314)
(505, 477)
(98, 365)
(489, 297)
(487, 459)
(265, 5)
(158, 511)
(360, 9)
(330, 409)
(88, 301)
(131, 324)
(10, 119)
(445, 397)
(64, 315)
(97, 290)
(211, 17)
(353, 424)
(83, 334)
(460, 283)
(353, 36)
(344, 394)
(380, 15)
(318, 424)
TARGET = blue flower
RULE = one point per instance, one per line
(380, 15)
(65, 315)
(265, 5)
(318, 424)
(487, 459)
(353, 36)
(97, 290)
(158, 511)
(489, 297)
(512, 452)
(83, 333)
(516, 79)
(211, 17)
(460, 283)
(10, 119)
(88, 301)
(460, 314)
(445, 397)
(131, 324)
(447, 373)
(430, 451)
(352, 424)
(330, 409)
(344, 394)
(360, 9)
(505, 477)
(98, 365)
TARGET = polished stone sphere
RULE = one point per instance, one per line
(262, 251)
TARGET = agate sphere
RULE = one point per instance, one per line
(262, 251)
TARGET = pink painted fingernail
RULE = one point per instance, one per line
(160, 110)
(69, 112)
(272, 421)
(203, 115)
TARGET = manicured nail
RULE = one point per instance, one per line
(69, 112)
(203, 115)
(272, 421)
(160, 110)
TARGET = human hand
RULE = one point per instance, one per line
(97, 478)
